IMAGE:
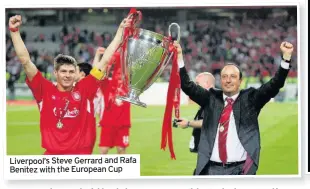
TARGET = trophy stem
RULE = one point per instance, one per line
(132, 98)
(135, 102)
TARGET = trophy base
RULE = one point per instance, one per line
(132, 101)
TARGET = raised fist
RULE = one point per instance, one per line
(15, 22)
(287, 50)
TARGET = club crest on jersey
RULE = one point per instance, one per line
(76, 96)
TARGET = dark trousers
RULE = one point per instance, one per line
(213, 168)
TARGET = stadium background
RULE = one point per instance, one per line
(248, 36)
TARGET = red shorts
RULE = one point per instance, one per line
(112, 136)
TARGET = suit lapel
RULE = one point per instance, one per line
(236, 110)
(219, 106)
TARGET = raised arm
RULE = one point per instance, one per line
(195, 92)
(20, 48)
(101, 64)
(272, 87)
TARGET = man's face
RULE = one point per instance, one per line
(66, 75)
(230, 80)
(79, 75)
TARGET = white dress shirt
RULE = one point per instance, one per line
(235, 150)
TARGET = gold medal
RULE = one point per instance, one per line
(59, 125)
(222, 128)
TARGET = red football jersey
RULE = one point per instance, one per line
(75, 111)
(114, 115)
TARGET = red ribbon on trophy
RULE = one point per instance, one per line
(128, 31)
(119, 83)
(173, 101)
(115, 84)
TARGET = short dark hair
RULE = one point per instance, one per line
(233, 64)
(61, 59)
(85, 67)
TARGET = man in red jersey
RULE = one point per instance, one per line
(115, 122)
(64, 107)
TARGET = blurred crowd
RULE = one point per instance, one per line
(80, 44)
(253, 44)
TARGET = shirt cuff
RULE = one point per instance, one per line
(285, 65)
(180, 63)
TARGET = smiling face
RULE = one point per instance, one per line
(65, 76)
(230, 80)
(65, 68)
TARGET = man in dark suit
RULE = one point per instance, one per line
(207, 81)
(230, 138)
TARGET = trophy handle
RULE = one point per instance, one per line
(137, 17)
(179, 30)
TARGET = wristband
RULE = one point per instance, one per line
(13, 29)
(187, 125)
(98, 74)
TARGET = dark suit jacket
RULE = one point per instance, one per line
(246, 109)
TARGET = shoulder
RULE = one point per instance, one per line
(247, 94)
(39, 79)
(247, 91)
(85, 81)
(216, 92)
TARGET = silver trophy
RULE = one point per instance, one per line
(145, 58)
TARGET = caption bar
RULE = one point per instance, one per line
(72, 167)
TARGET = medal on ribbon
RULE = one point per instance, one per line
(222, 126)
(59, 124)
(62, 113)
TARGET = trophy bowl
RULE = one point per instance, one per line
(145, 58)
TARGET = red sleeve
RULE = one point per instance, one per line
(104, 86)
(38, 86)
(89, 85)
